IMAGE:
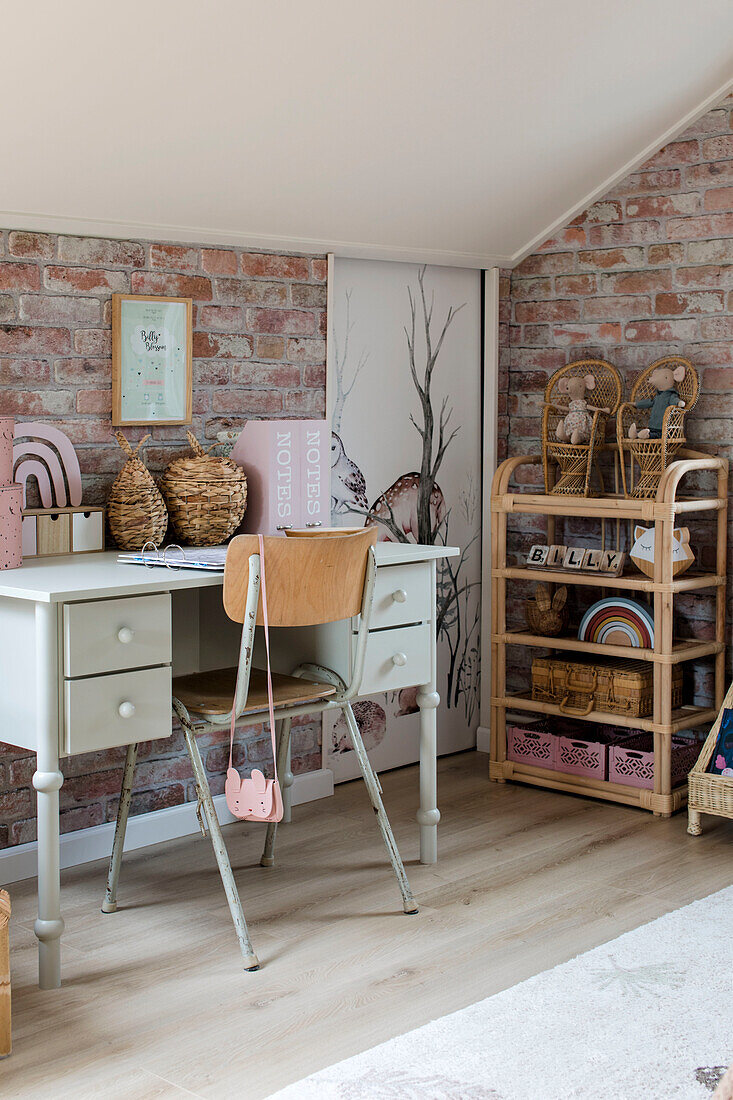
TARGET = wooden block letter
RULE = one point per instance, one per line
(556, 557)
(592, 560)
(574, 556)
(537, 555)
(612, 562)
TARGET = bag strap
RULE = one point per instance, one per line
(270, 703)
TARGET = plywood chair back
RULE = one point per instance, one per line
(309, 581)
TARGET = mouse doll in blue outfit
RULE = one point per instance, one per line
(663, 379)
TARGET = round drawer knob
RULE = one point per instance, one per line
(399, 595)
(399, 659)
(126, 710)
(125, 635)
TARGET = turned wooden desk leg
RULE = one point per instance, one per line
(428, 815)
(287, 784)
(47, 781)
(5, 1028)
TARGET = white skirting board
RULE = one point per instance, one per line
(86, 845)
(483, 734)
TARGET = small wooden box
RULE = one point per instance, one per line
(51, 531)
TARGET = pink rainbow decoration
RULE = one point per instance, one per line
(51, 459)
(30, 467)
(33, 429)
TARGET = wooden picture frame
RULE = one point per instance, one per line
(152, 368)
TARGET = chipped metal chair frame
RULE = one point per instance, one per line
(341, 699)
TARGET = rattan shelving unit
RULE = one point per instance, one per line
(666, 512)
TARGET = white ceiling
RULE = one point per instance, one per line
(450, 130)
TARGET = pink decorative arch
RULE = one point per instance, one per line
(28, 467)
(33, 429)
(51, 458)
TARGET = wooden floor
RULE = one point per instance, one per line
(155, 1005)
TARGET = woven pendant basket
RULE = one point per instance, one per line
(135, 508)
(206, 496)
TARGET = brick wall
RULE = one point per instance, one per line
(259, 351)
(646, 271)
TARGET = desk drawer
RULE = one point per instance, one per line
(111, 635)
(397, 658)
(104, 711)
(402, 594)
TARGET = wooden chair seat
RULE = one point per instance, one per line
(212, 693)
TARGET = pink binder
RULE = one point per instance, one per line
(288, 467)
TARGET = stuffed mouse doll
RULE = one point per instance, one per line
(663, 379)
(575, 427)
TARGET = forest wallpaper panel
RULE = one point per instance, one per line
(404, 399)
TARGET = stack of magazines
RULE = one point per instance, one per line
(210, 558)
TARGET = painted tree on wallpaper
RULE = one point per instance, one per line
(414, 508)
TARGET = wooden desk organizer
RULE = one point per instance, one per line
(50, 531)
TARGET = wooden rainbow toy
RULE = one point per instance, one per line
(618, 621)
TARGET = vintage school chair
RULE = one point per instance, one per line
(309, 582)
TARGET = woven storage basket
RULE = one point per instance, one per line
(136, 510)
(706, 792)
(547, 616)
(617, 687)
(206, 496)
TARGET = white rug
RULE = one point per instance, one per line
(648, 1015)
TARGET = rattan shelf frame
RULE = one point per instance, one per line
(662, 511)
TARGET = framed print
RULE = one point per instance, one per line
(152, 370)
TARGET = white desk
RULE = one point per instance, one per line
(83, 637)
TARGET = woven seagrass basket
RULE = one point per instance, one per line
(206, 496)
(707, 792)
(136, 511)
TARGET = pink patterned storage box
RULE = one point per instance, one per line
(582, 756)
(632, 761)
(530, 743)
(586, 750)
(11, 519)
(7, 429)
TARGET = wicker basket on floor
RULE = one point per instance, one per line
(708, 793)
(206, 496)
(136, 511)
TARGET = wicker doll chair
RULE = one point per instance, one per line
(653, 455)
(575, 460)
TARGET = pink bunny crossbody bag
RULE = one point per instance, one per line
(255, 798)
